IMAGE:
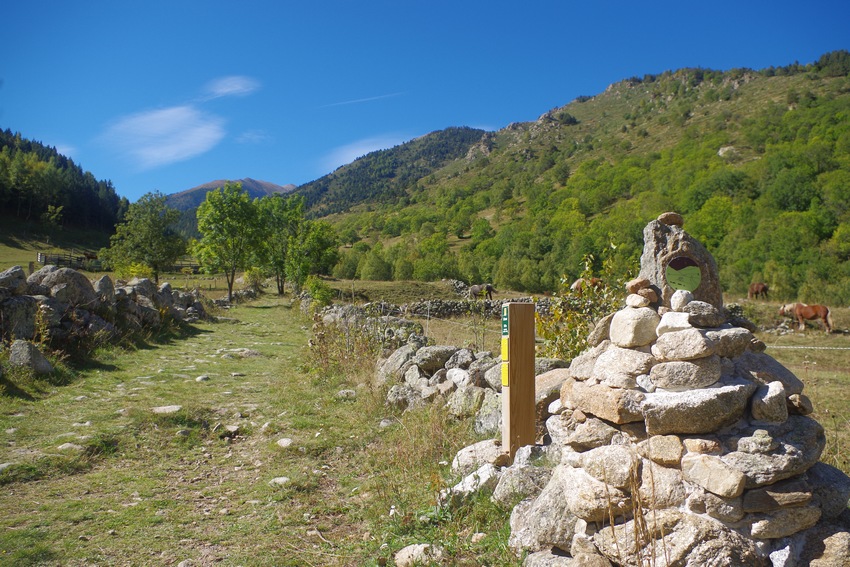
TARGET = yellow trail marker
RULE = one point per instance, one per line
(518, 412)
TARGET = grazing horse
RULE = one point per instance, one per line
(757, 290)
(480, 290)
(801, 312)
(581, 284)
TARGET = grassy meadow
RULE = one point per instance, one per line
(356, 480)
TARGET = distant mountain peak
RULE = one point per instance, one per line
(191, 198)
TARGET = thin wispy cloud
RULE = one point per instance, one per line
(155, 138)
(253, 137)
(350, 152)
(234, 85)
(361, 100)
(160, 137)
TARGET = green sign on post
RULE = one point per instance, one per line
(518, 387)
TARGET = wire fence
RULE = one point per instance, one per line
(802, 347)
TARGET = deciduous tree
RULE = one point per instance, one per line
(146, 236)
(229, 227)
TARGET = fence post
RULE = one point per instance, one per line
(518, 387)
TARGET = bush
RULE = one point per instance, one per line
(574, 313)
(253, 279)
(320, 292)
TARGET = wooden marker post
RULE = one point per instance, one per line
(518, 413)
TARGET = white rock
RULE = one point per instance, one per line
(680, 298)
(419, 554)
(635, 300)
(632, 327)
(673, 321)
(485, 478)
(709, 472)
(166, 409)
(768, 403)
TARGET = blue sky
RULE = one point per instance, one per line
(167, 95)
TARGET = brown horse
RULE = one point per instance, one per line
(581, 284)
(757, 290)
(481, 290)
(802, 312)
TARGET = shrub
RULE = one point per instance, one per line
(321, 292)
(574, 313)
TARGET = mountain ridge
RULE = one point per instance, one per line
(193, 197)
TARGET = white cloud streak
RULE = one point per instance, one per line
(361, 100)
(160, 137)
(350, 152)
(253, 137)
(234, 85)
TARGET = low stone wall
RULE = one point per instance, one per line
(62, 307)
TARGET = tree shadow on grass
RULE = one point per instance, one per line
(278, 306)
(9, 388)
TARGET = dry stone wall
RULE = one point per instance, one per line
(61, 306)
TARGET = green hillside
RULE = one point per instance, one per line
(758, 162)
(388, 176)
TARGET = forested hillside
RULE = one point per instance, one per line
(387, 176)
(38, 184)
(758, 162)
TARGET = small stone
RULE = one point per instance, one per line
(419, 554)
(673, 321)
(680, 299)
(713, 475)
(165, 410)
(477, 537)
(702, 446)
(284, 443)
(800, 404)
(769, 404)
(279, 481)
(649, 294)
(229, 431)
(632, 327)
(183, 433)
(635, 300)
(637, 284)
(665, 450)
(346, 395)
(69, 447)
(671, 219)
(202, 378)
(703, 314)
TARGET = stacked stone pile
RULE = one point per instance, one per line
(63, 306)
(676, 440)
(468, 383)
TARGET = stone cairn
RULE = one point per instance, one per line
(675, 440)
